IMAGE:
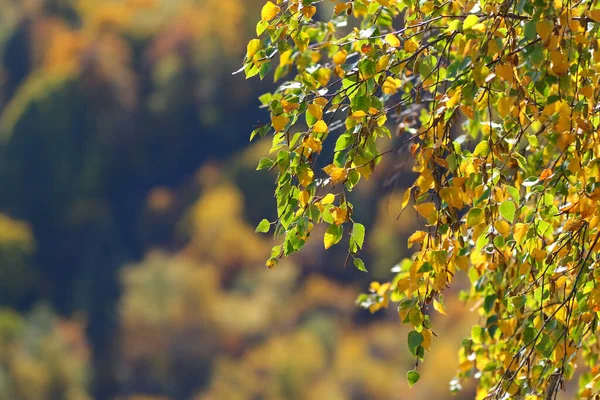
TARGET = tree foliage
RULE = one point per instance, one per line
(497, 102)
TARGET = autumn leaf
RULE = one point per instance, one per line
(544, 29)
(416, 237)
(328, 199)
(594, 14)
(332, 236)
(392, 40)
(439, 307)
(340, 215)
(453, 196)
(269, 11)
(411, 45)
(505, 71)
(279, 122)
(316, 111)
(475, 217)
(389, 86)
(320, 127)
(254, 47)
(306, 176)
(496, 111)
(427, 210)
(337, 174)
(313, 144)
(339, 58)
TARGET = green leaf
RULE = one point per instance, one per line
(358, 235)
(414, 340)
(343, 142)
(261, 27)
(367, 68)
(481, 149)
(514, 193)
(264, 163)
(264, 69)
(470, 21)
(360, 265)
(475, 217)
(263, 227)
(477, 334)
(507, 210)
(412, 377)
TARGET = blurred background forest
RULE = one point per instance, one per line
(129, 266)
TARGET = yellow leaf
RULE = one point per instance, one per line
(502, 227)
(269, 11)
(323, 75)
(520, 232)
(389, 86)
(315, 56)
(254, 47)
(321, 101)
(427, 7)
(340, 57)
(504, 106)
(411, 45)
(595, 14)
(427, 339)
(572, 225)
(424, 180)
(279, 122)
(382, 63)
(304, 198)
(284, 58)
(454, 100)
(505, 71)
(416, 237)
(306, 176)
(462, 262)
(403, 284)
(287, 106)
(560, 65)
(587, 91)
(301, 40)
(339, 8)
(406, 198)
(439, 307)
(427, 210)
(316, 111)
(392, 40)
(313, 144)
(320, 127)
(544, 29)
(340, 215)
(309, 11)
(480, 27)
(336, 173)
(453, 196)
(358, 114)
(539, 254)
(328, 199)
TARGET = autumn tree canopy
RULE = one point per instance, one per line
(497, 102)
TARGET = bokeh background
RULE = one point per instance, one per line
(129, 266)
